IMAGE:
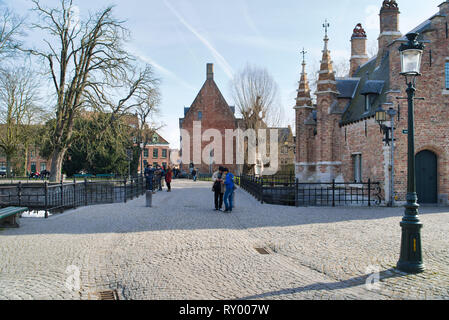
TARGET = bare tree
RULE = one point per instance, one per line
(18, 96)
(148, 125)
(86, 62)
(255, 94)
(10, 28)
(341, 68)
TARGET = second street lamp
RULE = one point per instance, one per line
(381, 118)
(411, 252)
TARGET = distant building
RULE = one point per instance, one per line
(213, 112)
(27, 158)
(155, 152)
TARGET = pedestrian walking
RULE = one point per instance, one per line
(229, 189)
(218, 188)
(194, 174)
(168, 178)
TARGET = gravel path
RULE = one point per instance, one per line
(182, 249)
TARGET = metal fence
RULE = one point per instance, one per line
(53, 198)
(286, 190)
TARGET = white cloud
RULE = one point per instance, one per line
(372, 18)
(220, 59)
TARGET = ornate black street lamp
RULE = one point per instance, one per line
(410, 260)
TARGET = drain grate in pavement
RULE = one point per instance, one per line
(106, 295)
(262, 251)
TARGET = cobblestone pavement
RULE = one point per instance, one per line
(182, 249)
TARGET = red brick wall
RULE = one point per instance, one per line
(431, 115)
(216, 114)
(159, 160)
(431, 118)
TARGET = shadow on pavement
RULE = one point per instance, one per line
(353, 282)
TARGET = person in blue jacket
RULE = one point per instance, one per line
(229, 185)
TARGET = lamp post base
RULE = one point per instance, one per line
(411, 267)
(410, 260)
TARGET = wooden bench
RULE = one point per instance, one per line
(9, 217)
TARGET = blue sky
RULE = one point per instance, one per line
(178, 37)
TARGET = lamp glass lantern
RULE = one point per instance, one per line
(381, 115)
(411, 61)
(411, 55)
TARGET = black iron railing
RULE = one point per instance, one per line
(53, 198)
(285, 190)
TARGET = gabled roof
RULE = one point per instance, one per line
(423, 27)
(210, 88)
(347, 87)
(373, 87)
(159, 140)
(373, 80)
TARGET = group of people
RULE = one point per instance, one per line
(224, 189)
(158, 174)
(223, 184)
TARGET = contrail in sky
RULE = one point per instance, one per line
(162, 69)
(220, 59)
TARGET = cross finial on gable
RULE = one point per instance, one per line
(303, 52)
(326, 26)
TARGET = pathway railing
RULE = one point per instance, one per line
(59, 197)
(284, 190)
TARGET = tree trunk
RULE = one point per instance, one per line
(57, 159)
(25, 169)
(8, 165)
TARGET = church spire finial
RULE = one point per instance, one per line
(303, 99)
(303, 53)
(326, 26)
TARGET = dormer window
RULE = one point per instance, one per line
(371, 90)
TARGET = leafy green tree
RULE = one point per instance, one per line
(100, 144)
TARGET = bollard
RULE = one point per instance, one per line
(149, 198)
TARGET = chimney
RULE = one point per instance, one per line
(358, 49)
(210, 71)
(389, 26)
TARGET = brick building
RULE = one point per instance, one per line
(34, 163)
(211, 110)
(338, 137)
(27, 160)
(155, 152)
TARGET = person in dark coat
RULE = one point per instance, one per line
(218, 188)
(149, 175)
(168, 178)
